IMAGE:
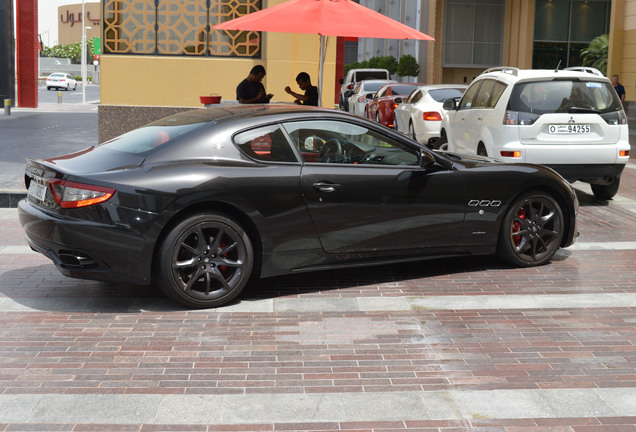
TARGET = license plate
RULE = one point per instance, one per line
(570, 129)
(37, 190)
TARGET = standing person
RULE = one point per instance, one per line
(620, 90)
(311, 91)
(251, 90)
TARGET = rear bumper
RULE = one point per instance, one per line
(85, 250)
(589, 173)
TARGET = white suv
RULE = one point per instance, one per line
(570, 120)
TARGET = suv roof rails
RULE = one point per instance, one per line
(591, 70)
(504, 69)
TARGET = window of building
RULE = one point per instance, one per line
(473, 33)
(563, 28)
(178, 27)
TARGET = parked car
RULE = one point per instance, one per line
(60, 80)
(570, 120)
(353, 77)
(381, 107)
(363, 93)
(420, 115)
(201, 201)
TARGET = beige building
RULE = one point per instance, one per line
(163, 53)
(70, 21)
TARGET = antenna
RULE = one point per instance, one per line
(557, 68)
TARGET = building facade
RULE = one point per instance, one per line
(164, 52)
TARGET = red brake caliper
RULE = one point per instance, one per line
(516, 226)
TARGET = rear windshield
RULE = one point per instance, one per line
(372, 87)
(564, 96)
(443, 94)
(155, 134)
(361, 76)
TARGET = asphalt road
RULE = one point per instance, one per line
(52, 129)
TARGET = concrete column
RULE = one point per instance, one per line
(27, 52)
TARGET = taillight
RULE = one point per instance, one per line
(615, 118)
(512, 154)
(623, 153)
(361, 99)
(432, 116)
(73, 195)
(519, 118)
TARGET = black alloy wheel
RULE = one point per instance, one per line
(531, 231)
(205, 261)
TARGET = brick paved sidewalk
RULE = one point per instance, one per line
(447, 345)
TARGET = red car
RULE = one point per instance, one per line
(381, 107)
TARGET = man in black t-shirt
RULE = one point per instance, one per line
(251, 90)
(620, 90)
(311, 91)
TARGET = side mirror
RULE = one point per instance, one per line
(398, 100)
(370, 95)
(450, 104)
(426, 159)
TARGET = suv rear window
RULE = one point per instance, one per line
(564, 96)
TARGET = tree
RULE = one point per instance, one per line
(595, 55)
(72, 51)
(408, 66)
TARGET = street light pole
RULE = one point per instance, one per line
(83, 56)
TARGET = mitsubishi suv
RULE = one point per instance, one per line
(570, 120)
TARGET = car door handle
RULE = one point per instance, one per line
(326, 187)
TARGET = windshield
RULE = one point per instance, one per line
(564, 96)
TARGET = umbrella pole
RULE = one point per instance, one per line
(321, 67)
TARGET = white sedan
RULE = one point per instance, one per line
(363, 93)
(420, 115)
(61, 81)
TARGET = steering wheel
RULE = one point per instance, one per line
(331, 151)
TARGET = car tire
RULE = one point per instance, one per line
(412, 131)
(442, 142)
(204, 261)
(48, 88)
(395, 125)
(377, 117)
(606, 192)
(481, 150)
(531, 231)
(75, 87)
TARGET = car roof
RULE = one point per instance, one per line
(512, 74)
(234, 111)
(428, 87)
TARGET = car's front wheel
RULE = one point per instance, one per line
(531, 231)
(606, 192)
(204, 261)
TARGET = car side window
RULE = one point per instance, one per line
(497, 91)
(416, 96)
(482, 100)
(267, 144)
(469, 96)
(340, 142)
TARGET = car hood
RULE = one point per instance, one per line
(94, 160)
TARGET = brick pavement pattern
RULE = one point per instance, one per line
(370, 349)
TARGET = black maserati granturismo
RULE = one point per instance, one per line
(198, 203)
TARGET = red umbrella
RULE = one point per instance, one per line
(325, 18)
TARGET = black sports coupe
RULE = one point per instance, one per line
(199, 202)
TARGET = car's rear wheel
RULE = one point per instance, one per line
(481, 150)
(531, 231)
(204, 261)
(412, 131)
(377, 117)
(442, 142)
(606, 192)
